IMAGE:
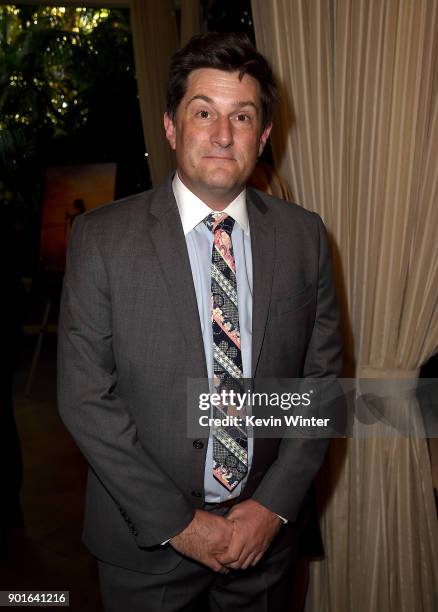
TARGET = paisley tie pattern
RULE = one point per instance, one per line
(230, 445)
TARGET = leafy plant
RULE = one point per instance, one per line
(56, 67)
(51, 62)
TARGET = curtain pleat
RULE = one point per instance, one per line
(190, 20)
(356, 138)
(155, 39)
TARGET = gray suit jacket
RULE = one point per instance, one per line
(130, 336)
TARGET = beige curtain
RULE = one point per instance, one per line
(190, 20)
(155, 39)
(357, 139)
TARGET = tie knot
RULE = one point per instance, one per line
(219, 221)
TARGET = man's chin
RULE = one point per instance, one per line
(220, 180)
(222, 189)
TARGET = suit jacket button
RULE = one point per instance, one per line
(198, 444)
(196, 493)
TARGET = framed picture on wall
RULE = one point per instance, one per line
(70, 191)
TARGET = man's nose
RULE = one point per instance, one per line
(223, 132)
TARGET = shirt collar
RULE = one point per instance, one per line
(192, 210)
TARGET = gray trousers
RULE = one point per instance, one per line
(192, 587)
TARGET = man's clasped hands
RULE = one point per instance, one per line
(236, 541)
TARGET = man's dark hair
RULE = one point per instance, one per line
(228, 51)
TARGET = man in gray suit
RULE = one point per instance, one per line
(199, 278)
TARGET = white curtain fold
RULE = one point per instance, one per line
(155, 39)
(190, 20)
(359, 145)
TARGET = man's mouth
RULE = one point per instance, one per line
(219, 157)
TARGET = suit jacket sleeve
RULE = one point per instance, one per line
(288, 479)
(92, 408)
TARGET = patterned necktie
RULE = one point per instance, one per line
(230, 446)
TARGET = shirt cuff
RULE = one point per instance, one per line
(166, 541)
(284, 521)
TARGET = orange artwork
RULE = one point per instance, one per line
(70, 191)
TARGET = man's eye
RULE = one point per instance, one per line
(204, 114)
(243, 117)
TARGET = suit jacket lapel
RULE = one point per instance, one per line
(171, 248)
(170, 244)
(263, 252)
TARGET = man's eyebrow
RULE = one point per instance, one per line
(200, 97)
(205, 98)
(247, 103)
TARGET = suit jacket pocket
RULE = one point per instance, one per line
(293, 302)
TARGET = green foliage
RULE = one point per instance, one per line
(52, 62)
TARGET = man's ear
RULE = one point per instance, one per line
(264, 138)
(169, 128)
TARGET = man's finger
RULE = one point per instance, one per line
(257, 559)
(237, 565)
(232, 555)
(216, 566)
(249, 561)
(245, 560)
(227, 558)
